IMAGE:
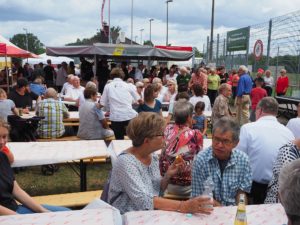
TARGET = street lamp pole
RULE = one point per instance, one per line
(167, 36)
(212, 30)
(109, 34)
(141, 30)
(26, 32)
(150, 29)
(131, 22)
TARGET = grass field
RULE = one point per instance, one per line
(63, 181)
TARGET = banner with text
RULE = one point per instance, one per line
(237, 40)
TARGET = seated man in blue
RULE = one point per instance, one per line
(229, 169)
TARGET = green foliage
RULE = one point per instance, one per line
(148, 42)
(198, 53)
(34, 44)
(99, 37)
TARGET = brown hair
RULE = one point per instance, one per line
(117, 73)
(3, 93)
(89, 92)
(149, 92)
(145, 125)
(4, 124)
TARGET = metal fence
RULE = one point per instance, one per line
(281, 39)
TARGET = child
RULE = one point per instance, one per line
(256, 95)
(199, 120)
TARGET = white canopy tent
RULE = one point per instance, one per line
(54, 59)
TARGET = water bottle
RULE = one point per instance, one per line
(208, 191)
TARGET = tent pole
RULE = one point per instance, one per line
(7, 75)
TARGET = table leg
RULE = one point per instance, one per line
(82, 176)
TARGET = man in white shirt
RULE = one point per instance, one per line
(118, 97)
(67, 84)
(73, 93)
(261, 140)
(294, 124)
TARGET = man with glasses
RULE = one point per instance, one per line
(261, 141)
(229, 169)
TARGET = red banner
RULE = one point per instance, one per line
(175, 48)
(2, 48)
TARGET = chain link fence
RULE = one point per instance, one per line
(281, 49)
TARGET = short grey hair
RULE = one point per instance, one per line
(51, 93)
(182, 110)
(223, 87)
(289, 190)
(226, 124)
(268, 105)
(243, 68)
(91, 84)
(156, 80)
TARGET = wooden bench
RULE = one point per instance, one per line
(77, 199)
(70, 138)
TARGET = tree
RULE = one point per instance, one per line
(198, 53)
(34, 44)
(114, 33)
(148, 42)
(100, 36)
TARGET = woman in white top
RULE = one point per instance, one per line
(198, 96)
(269, 82)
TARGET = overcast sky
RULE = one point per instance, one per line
(57, 22)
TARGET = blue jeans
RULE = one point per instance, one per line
(24, 210)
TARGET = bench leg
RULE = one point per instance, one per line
(82, 176)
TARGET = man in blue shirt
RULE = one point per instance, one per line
(229, 169)
(243, 96)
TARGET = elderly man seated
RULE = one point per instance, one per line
(54, 111)
(229, 169)
(68, 84)
(73, 93)
(289, 191)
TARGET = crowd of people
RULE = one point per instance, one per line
(249, 147)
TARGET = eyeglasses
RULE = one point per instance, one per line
(140, 87)
(169, 85)
(225, 142)
(159, 135)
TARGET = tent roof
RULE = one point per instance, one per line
(120, 51)
(54, 60)
(14, 51)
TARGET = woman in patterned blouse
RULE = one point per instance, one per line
(286, 155)
(184, 142)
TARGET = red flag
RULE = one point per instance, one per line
(2, 48)
(102, 13)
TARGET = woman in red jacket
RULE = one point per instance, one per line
(282, 83)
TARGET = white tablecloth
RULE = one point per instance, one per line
(116, 147)
(256, 215)
(41, 153)
(103, 216)
(74, 115)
